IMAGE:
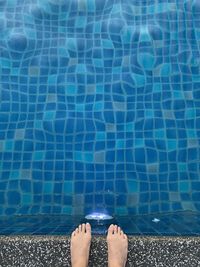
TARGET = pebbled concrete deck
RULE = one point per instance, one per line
(54, 251)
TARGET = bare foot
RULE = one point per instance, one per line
(80, 245)
(117, 247)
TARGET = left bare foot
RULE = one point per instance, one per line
(80, 245)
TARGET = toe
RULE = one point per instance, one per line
(88, 228)
(77, 230)
(111, 229)
(83, 227)
(80, 228)
(73, 234)
(115, 229)
(118, 230)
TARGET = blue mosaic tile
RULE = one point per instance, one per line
(99, 102)
(172, 224)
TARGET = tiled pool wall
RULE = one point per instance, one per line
(99, 106)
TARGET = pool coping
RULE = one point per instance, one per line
(51, 251)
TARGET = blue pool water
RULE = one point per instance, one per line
(170, 224)
(99, 108)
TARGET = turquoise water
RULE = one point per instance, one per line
(99, 107)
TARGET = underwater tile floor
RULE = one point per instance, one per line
(170, 224)
(100, 106)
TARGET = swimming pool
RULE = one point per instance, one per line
(100, 112)
(177, 224)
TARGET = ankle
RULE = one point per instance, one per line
(79, 264)
(114, 264)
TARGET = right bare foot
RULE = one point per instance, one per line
(80, 245)
(117, 247)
